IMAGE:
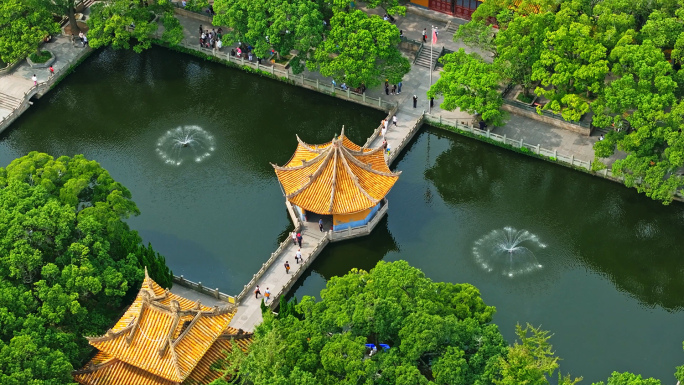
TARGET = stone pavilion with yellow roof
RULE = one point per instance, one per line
(162, 339)
(338, 179)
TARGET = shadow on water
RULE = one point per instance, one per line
(625, 236)
(340, 257)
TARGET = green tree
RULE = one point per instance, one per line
(573, 66)
(361, 49)
(469, 83)
(23, 27)
(130, 23)
(280, 25)
(520, 46)
(61, 7)
(437, 333)
(628, 379)
(68, 261)
(530, 361)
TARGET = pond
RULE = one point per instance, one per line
(594, 262)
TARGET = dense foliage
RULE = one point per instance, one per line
(23, 26)
(326, 35)
(617, 59)
(125, 24)
(438, 333)
(68, 263)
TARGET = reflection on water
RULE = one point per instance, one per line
(612, 279)
(612, 274)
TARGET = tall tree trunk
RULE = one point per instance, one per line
(72, 22)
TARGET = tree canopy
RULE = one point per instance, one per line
(68, 261)
(130, 24)
(23, 26)
(353, 47)
(437, 333)
(614, 61)
(471, 84)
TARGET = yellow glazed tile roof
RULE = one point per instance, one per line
(161, 335)
(203, 374)
(338, 177)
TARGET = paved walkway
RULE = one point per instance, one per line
(276, 279)
(17, 82)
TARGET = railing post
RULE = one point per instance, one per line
(504, 139)
(273, 69)
(572, 159)
(521, 142)
(555, 154)
(287, 74)
(364, 97)
(317, 88)
(199, 284)
(258, 64)
(348, 95)
(538, 149)
(489, 133)
(605, 172)
(440, 119)
(242, 60)
(379, 101)
(216, 293)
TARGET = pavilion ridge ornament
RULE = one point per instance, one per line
(185, 143)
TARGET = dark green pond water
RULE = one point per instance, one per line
(611, 282)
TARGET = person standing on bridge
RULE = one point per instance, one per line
(394, 119)
(287, 267)
(294, 238)
(298, 256)
(267, 294)
(35, 80)
(320, 224)
(415, 101)
(299, 239)
(383, 131)
(257, 292)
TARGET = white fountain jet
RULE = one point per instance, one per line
(508, 251)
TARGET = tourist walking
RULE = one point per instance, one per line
(267, 294)
(386, 123)
(294, 238)
(35, 80)
(432, 102)
(299, 239)
(296, 258)
(415, 101)
(85, 40)
(320, 224)
(386, 89)
(388, 149)
(257, 292)
(287, 267)
(424, 35)
(52, 71)
(383, 131)
(399, 88)
(384, 145)
(394, 89)
(394, 119)
(298, 255)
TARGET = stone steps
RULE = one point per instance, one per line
(423, 60)
(9, 102)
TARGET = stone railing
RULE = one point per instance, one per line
(294, 277)
(198, 287)
(300, 80)
(554, 155)
(359, 231)
(546, 116)
(394, 152)
(378, 130)
(40, 89)
(274, 255)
